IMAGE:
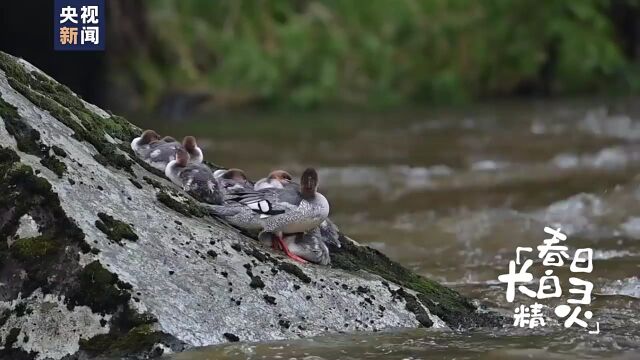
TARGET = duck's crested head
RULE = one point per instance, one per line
(309, 183)
(182, 157)
(280, 175)
(168, 139)
(149, 136)
(189, 143)
(235, 174)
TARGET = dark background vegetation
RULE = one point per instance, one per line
(174, 56)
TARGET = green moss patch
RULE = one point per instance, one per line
(33, 249)
(59, 151)
(140, 338)
(62, 104)
(4, 316)
(24, 192)
(99, 289)
(449, 305)
(135, 183)
(12, 337)
(28, 139)
(115, 230)
(154, 183)
(295, 271)
(131, 334)
(188, 207)
(35, 263)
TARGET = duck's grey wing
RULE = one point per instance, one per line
(163, 152)
(237, 215)
(144, 150)
(262, 202)
(225, 210)
(231, 186)
(330, 233)
(199, 182)
(309, 246)
(287, 196)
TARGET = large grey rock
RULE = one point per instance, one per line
(101, 255)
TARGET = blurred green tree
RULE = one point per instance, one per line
(380, 52)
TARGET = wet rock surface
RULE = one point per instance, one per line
(105, 252)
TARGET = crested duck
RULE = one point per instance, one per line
(196, 179)
(160, 153)
(233, 180)
(142, 143)
(268, 212)
(276, 179)
(281, 179)
(168, 139)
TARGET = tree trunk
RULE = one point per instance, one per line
(102, 255)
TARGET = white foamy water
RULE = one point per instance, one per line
(600, 122)
(611, 254)
(629, 287)
(631, 227)
(610, 158)
(574, 215)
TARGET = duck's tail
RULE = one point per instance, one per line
(309, 246)
(330, 233)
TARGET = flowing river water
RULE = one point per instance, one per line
(451, 194)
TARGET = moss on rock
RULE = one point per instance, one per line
(33, 249)
(154, 183)
(131, 334)
(4, 316)
(59, 151)
(187, 208)
(295, 271)
(62, 104)
(115, 230)
(446, 303)
(100, 289)
(28, 139)
(140, 339)
(12, 337)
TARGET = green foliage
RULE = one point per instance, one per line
(303, 53)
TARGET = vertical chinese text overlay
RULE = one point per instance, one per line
(553, 255)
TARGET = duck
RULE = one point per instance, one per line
(160, 153)
(269, 213)
(196, 179)
(275, 179)
(169, 139)
(233, 180)
(309, 246)
(142, 143)
(281, 179)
